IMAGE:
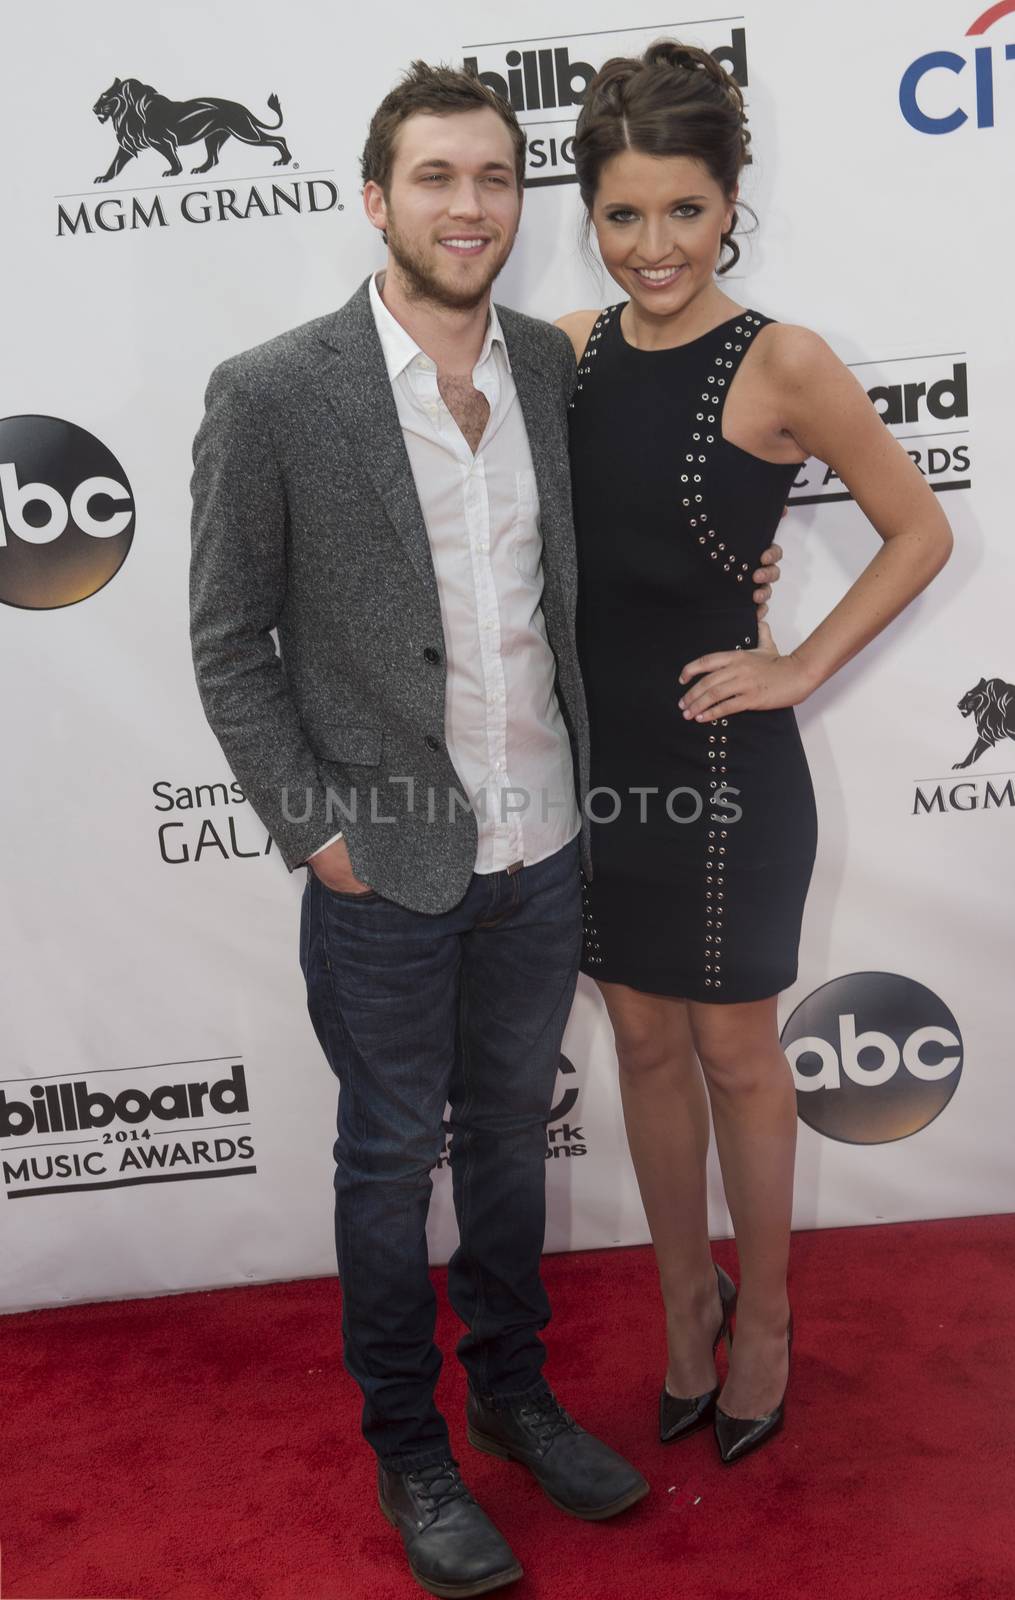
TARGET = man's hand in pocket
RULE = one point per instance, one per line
(333, 867)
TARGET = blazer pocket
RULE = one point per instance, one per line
(356, 747)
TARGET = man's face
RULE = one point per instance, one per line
(452, 207)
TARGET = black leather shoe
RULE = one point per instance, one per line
(579, 1473)
(679, 1416)
(454, 1550)
(738, 1436)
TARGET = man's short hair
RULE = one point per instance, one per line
(437, 91)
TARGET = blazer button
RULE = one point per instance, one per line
(432, 743)
(431, 655)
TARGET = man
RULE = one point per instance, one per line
(388, 486)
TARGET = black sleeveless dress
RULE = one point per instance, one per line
(707, 832)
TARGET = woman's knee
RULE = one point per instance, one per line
(649, 1048)
(640, 1057)
(738, 1056)
(732, 1073)
(651, 1036)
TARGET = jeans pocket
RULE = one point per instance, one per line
(352, 894)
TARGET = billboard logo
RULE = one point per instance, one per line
(62, 1134)
(924, 400)
(546, 80)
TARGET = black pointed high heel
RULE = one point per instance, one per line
(737, 1436)
(678, 1416)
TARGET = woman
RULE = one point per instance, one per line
(690, 421)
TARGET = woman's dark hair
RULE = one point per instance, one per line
(676, 100)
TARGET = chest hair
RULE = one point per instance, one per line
(470, 409)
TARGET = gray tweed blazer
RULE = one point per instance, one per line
(306, 521)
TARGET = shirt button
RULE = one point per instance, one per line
(431, 655)
(431, 742)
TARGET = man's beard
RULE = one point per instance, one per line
(422, 283)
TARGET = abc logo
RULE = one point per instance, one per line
(66, 513)
(875, 1057)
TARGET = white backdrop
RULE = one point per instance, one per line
(130, 966)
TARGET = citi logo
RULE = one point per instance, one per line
(66, 513)
(927, 100)
(76, 1107)
(875, 1057)
(546, 80)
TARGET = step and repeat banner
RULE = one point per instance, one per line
(166, 1117)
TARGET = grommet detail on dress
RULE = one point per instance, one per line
(584, 367)
(699, 520)
(591, 953)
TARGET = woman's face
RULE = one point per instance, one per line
(659, 221)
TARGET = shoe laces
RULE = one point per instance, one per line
(437, 1485)
(547, 1417)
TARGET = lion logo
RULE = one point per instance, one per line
(143, 119)
(992, 703)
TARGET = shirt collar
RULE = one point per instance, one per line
(400, 348)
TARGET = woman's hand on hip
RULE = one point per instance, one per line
(743, 680)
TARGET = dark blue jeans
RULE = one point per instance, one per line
(413, 1011)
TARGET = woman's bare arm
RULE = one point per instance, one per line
(827, 412)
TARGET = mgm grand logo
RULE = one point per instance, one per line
(144, 120)
(990, 704)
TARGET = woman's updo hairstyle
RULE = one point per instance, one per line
(676, 100)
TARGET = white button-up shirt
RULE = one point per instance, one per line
(502, 724)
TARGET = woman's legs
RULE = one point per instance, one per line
(750, 1087)
(666, 1116)
(660, 1042)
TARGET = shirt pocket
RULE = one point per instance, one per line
(526, 542)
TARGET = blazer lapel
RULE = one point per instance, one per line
(538, 400)
(355, 381)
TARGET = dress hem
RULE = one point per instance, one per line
(688, 991)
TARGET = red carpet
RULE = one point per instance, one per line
(205, 1446)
